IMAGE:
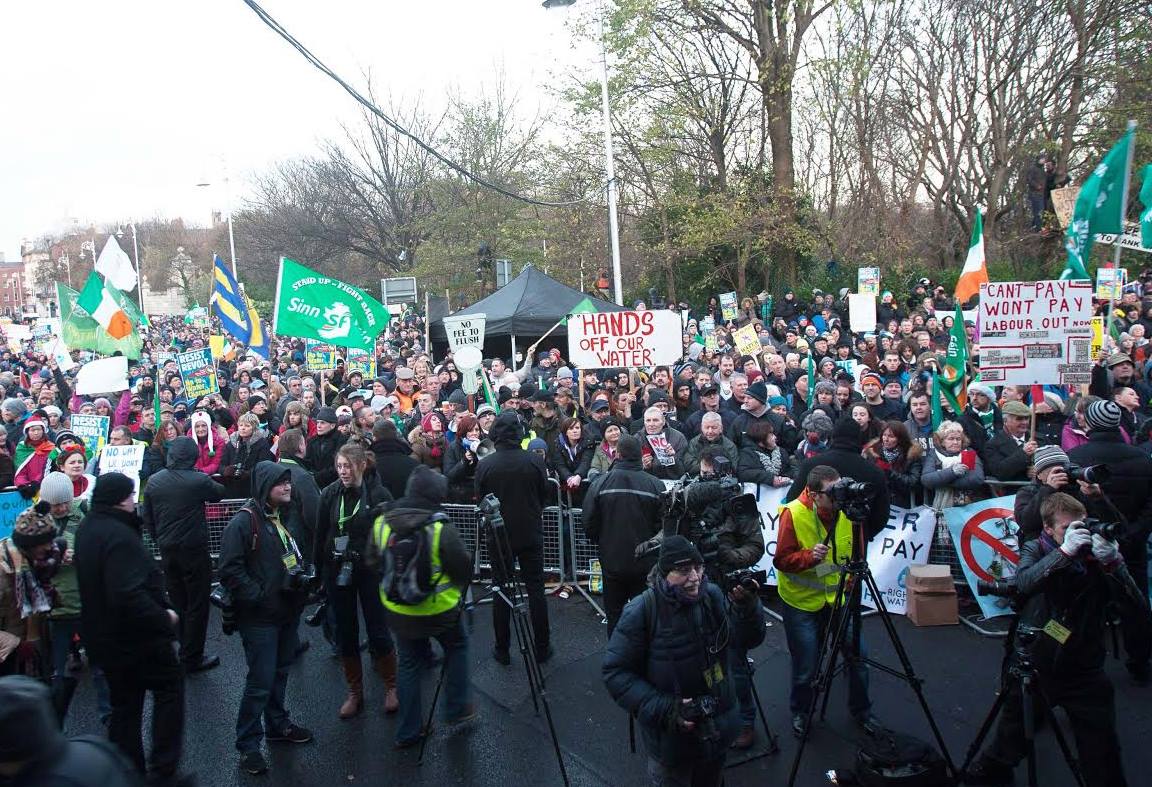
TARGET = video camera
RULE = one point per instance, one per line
(853, 497)
(689, 500)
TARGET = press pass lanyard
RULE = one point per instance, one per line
(292, 556)
(342, 518)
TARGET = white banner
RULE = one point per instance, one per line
(861, 313)
(1036, 333)
(465, 330)
(904, 542)
(622, 340)
(126, 459)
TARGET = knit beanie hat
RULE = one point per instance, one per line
(816, 421)
(537, 444)
(201, 417)
(34, 527)
(327, 414)
(1046, 456)
(56, 488)
(64, 436)
(14, 406)
(1103, 416)
(62, 454)
(678, 551)
(435, 415)
(112, 489)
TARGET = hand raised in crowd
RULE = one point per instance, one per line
(1030, 447)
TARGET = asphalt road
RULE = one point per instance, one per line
(509, 745)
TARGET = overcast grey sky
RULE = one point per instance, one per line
(114, 110)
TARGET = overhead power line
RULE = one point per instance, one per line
(267, 19)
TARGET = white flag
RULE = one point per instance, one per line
(115, 266)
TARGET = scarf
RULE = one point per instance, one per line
(771, 461)
(891, 455)
(946, 460)
(675, 594)
(808, 449)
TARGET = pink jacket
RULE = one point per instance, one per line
(210, 462)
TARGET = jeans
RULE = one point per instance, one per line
(269, 651)
(188, 579)
(531, 562)
(158, 671)
(694, 774)
(364, 592)
(62, 633)
(742, 684)
(619, 589)
(1090, 704)
(804, 631)
(1036, 204)
(415, 655)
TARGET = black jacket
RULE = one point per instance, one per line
(1004, 459)
(394, 464)
(173, 508)
(844, 456)
(370, 496)
(238, 460)
(300, 519)
(320, 456)
(519, 479)
(252, 557)
(1129, 486)
(621, 511)
(757, 466)
(124, 611)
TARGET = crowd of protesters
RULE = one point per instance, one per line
(322, 453)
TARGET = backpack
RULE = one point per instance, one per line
(892, 759)
(407, 559)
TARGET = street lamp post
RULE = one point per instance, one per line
(228, 210)
(609, 153)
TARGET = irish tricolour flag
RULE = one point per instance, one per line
(101, 304)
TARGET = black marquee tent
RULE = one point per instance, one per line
(522, 310)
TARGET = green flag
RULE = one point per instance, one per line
(584, 307)
(1146, 214)
(954, 375)
(811, 381)
(937, 410)
(311, 305)
(78, 330)
(1099, 208)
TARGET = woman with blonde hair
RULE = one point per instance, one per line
(953, 472)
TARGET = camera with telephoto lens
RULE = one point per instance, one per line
(853, 497)
(300, 579)
(702, 712)
(221, 598)
(1095, 474)
(1002, 588)
(1109, 530)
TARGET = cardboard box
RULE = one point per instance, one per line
(932, 609)
(930, 579)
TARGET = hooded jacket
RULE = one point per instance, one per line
(173, 509)
(621, 511)
(519, 479)
(425, 496)
(394, 464)
(252, 557)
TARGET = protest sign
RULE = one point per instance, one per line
(904, 542)
(312, 305)
(728, 306)
(612, 340)
(768, 502)
(862, 313)
(60, 353)
(747, 341)
(319, 357)
(984, 536)
(198, 371)
(92, 429)
(868, 281)
(1036, 333)
(126, 459)
(465, 330)
(707, 326)
(358, 360)
(104, 375)
(11, 504)
(1110, 283)
(1097, 337)
(710, 342)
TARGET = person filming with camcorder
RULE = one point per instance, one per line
(1064, 581)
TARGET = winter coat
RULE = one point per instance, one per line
(622, 510)
(320, 456)
(903, 474)
(239, 459)
(948, 486)
(757, 466)
(565, 464)
(67, 604)
(519, 479)
(649, 674)
(252, 557)
(173, 509)
(1004, 458)
(209, 460)
(124, 616)
(428, 452)
(697, 445)
(602, 459)
(370, 496)
(394, 464)
(679, 445)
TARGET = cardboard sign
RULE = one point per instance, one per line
(707, 326)
(126, 459)
(319, 357)
(92, 429)
(620, 340)
(104, 375)
(1036, 333)
(861, 313)
(747, 341)
(362, 361)
(1110, 283)
(198, 372)
(728, 306)
(466, 330)
(868, 281)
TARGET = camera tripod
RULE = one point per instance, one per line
(855, 575)
(1018, 678)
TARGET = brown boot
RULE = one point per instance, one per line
(386, 668)
(354, 676)
(746, 738)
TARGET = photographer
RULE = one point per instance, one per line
(668, 662)
(263, 570)
(1129, 488)
(1051, 469)
(815, 539)
(1065, 579)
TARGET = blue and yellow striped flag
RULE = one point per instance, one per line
(228, 302)
(258, 340)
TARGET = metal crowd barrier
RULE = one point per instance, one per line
(218, 516)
